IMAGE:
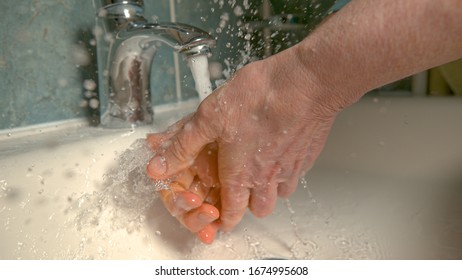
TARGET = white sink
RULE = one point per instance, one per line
(387, 186)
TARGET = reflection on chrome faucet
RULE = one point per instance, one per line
(126, 48)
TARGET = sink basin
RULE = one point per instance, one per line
(387, 186)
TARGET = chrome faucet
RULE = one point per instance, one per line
(127, 44)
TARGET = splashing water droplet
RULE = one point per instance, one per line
(89, 84)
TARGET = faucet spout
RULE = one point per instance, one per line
(125, 97)
(183, 38)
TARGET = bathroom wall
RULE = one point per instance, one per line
(47, 54)
(47, 68)
(39, 80)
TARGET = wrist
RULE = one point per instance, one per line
(319, 66)
(299, 75)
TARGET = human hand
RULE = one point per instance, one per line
(192, 195)
(268, 128)
(271, 119)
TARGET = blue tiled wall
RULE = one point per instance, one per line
(40, 81)
(40, 78)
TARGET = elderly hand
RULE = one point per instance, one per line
(268, 132)
(270, 121)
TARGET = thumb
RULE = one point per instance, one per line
(183, 148)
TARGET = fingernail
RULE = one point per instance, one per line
(158, 165)
(207, 217)
(186, 205)
(206, 236)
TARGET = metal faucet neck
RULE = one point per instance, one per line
(125, 58)
(121, 11)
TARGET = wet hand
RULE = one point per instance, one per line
(192, 195)
(269, 130)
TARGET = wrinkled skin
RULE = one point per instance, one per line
(264, 142)
(270, 121)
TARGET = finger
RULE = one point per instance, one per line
(172, 129)
(179, 202)
(263, 197)
(285, 189)
(197, 219)
(206, 165)
(207, 234)
(156, 140)
(263, 200)
(234, 202)
(213, 197)
(184, 147)
(176, 197)
(199, 188)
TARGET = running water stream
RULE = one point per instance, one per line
(200, 71)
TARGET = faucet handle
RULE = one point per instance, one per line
(104, 3)
(120, 10)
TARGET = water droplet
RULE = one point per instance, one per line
(80, 55)
(93, 103)
(102, 12)
(342, 243)
(89, 84)
(238, 11)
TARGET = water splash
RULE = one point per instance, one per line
(308, 247)
(127, 193)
